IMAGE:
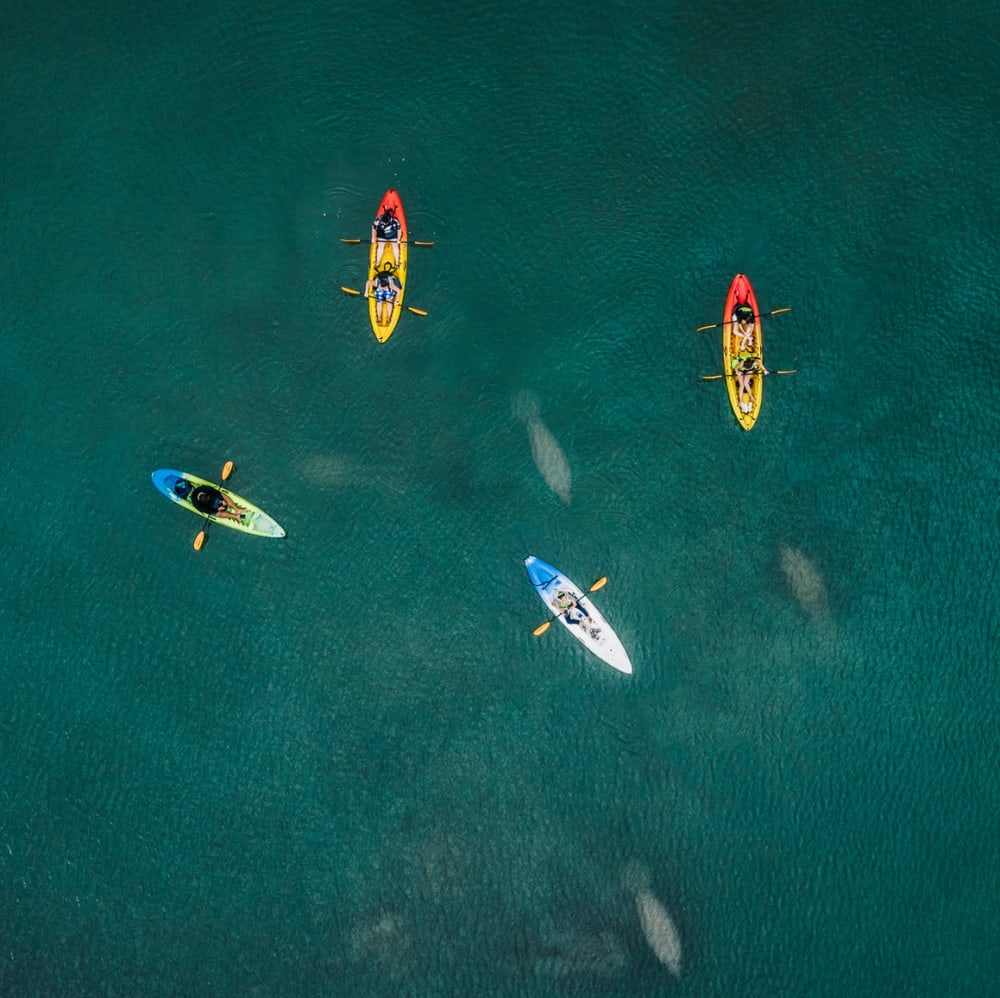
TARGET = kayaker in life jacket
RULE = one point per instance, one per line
(207, 499)
(745, 366)
(384, 287)
(565, 604)
(743, 325)
(386, 229)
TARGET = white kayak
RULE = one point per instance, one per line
(565, 600)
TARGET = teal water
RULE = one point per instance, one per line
(340, 764)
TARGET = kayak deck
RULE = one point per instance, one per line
(745, 408)
(378, 258)
(254, 521)
(584, 621)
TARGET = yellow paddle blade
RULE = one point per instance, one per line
(794, 370)
(199, 540)
(711, 377)
(350, 240)
(777, 311)
(414, 242)
(416, 311)
(599, 584)
(542, 628)
(227, 469)
(350, 291)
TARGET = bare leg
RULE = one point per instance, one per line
(744, 388)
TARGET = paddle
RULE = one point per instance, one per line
(777, 311)
(227, 469)
(352, 291)
(407, 242)
(715, 377)
(542, 628)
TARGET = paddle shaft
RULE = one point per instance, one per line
(715, 377)
(361, 294)
(405, 242)
(730, 322)
(227, 469)
(599, 584)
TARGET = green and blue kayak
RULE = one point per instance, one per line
(253, 521)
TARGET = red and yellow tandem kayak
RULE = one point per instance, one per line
(740, 345)
(382, 260)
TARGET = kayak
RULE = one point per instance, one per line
(741, 293)
(255, 521)
(383, 330)
(584, 622)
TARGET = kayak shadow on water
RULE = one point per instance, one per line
(545, 450)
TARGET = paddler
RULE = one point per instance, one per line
(386, 229)
(745, 366)
(207, 499)
(565, 602)
(743, 326)
(383, 287)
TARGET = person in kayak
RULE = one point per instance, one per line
(743, 327)
(207, 499)
(386, 229)
(565, 603)
(745, 367)
(384, 287)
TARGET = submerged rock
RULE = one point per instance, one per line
(573, 951)
(657, 925)
(805, 582)
(383, 941)
(545, 450)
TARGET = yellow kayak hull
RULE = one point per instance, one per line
(378, 256)
(747, 408)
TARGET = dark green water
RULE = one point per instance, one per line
(340, 764)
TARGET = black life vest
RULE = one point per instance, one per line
(387, 226)
(205, 499)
